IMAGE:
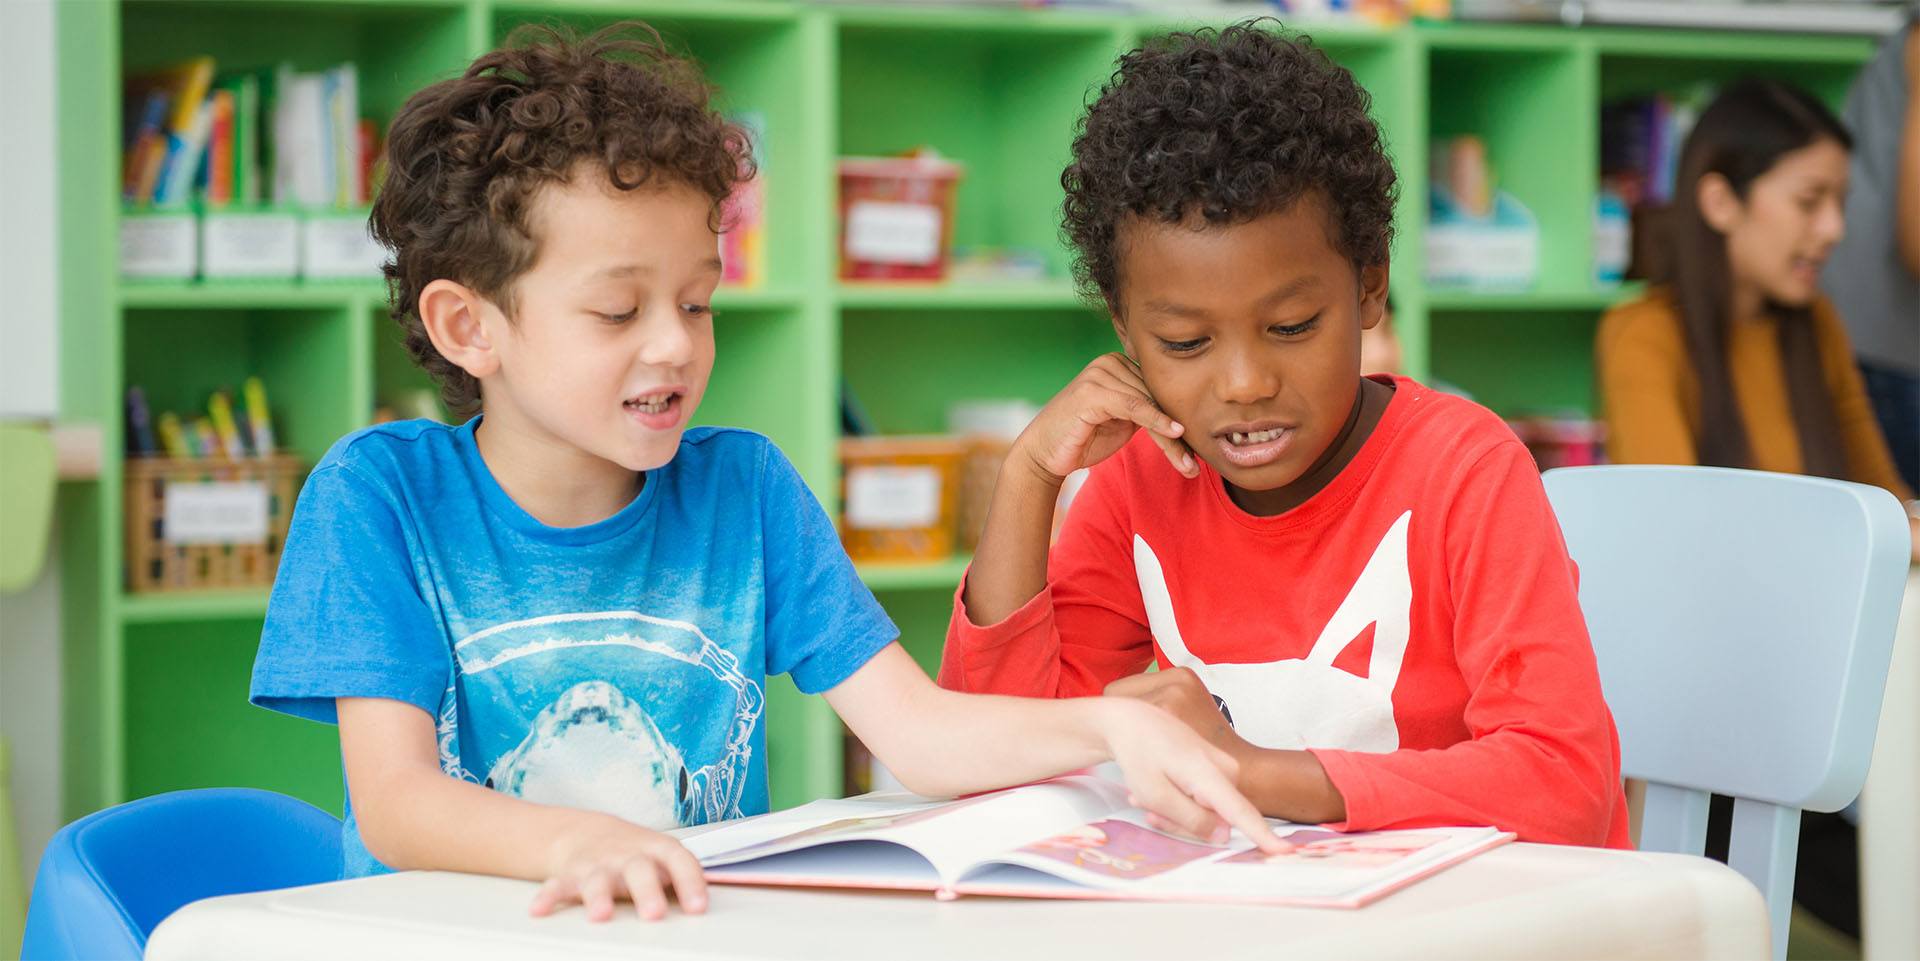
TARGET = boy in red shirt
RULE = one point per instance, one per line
(1354, 585)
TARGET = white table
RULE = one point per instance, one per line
(1519, 901)
(1889, 829)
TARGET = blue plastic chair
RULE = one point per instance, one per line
(109, 878)
(1743, 622)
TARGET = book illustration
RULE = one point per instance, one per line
(1335, 849)
(1121, 849)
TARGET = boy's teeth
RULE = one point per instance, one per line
(1240, 439)
(651, 405)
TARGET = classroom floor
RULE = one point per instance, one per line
(1810, 939)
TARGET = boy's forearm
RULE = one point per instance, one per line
(420, 820)
(1290, 785)
(1010, 565)
(964, 743)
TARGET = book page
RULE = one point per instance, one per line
(1331, 866)
(1122, 853)
(951, 836)
(1116, 851)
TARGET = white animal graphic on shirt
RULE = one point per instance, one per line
(1294, 704)
(596, 750)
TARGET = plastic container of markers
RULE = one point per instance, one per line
(896, 217)
(207, 523)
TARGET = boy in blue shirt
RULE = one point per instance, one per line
(544, 634)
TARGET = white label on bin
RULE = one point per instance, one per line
(158, 245)
(250, 245)
(893, 497)
(218, 513)
(339, 247)
(881, 233)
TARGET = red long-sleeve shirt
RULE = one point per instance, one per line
(1415, 624)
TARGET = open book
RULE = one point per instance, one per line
(1070, 837)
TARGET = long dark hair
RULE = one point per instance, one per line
(1740, 136)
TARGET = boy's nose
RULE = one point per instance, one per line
(665, 340)
(1246, 381)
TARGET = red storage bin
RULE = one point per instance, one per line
(896, 217)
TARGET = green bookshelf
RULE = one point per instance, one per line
(155, 685)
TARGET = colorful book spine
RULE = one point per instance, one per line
(185, 153)
(220, 161)
(147, 136)
(369, 156)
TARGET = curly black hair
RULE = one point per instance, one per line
(466, 156)
(1231, 124)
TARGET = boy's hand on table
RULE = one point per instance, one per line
(1094, 416)
(608, 859)
(1180, 692)
(1185, 784)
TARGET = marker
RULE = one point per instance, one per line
(140, 423)
(259, 422)
(222, 410)
(173, 440)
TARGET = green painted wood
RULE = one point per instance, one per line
(27, 478)
(194, 606)
(1039, 295)
(941, 575)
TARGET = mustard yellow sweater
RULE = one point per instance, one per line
(1651, 399)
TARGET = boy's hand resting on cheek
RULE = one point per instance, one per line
(1094, 416)
(607, 859)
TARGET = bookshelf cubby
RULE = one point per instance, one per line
(155, 685)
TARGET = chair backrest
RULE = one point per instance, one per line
(109, 878)
(1743, 622)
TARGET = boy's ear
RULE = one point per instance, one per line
(1373, 295)
(453, 315)
(1119, 327)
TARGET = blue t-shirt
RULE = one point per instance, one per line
(617, 667)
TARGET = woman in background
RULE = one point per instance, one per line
(1733, 358)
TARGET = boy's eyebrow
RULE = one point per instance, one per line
(1291, 289)
(1287, 291)
(711, 264)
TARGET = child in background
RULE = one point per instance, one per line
(545, 633)
(1353, 585)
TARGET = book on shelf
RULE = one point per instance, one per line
(1069, 837)
(246, 137)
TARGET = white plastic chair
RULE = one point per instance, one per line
(1743, 622)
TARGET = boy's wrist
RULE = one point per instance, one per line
(1027, 476)
(1291, 785)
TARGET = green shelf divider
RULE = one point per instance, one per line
(900, 576)
(193, 606)
(1057, 295)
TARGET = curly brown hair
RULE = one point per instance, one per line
(465, 157)
(1231, 124)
